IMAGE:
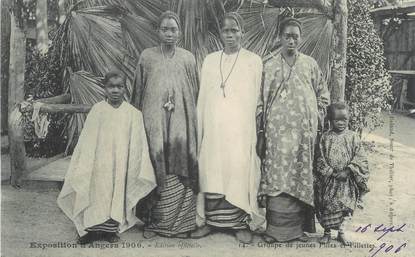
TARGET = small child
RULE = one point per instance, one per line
(110, 169)
(342, 173)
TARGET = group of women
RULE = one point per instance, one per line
(228, 143)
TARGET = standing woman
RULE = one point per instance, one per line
(229, 166)
(165, 90)
(292, 108)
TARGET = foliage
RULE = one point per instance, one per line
(368, 87)
(100, 34)
(43, 79)
(43, 74)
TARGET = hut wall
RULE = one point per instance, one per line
(400, 45)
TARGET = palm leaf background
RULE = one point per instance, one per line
(138, 34)
(85, 88)
(261, 25)
(91, 40)
(98, 35)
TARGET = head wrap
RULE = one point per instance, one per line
(169, 15)
(290, 21)
(114, 72)
(236, 17)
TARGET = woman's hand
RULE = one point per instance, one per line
(342, 175)
(260, 145)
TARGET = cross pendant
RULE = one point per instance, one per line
(222, 86)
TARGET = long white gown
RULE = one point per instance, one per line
(228, 163)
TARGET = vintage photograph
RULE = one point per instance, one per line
(187, 128)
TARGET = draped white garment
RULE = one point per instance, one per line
(110, 169)
(228, 163)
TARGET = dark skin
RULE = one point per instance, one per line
(290, 39)
(114, 90)
(231, 35)
(339, 122)
(169, 34)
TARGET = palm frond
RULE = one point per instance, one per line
(138, 34)
(91, 39)
(95, 41)
(196, 24)
(261, 25)
(317, 40)
(149, 9)
(85, 88)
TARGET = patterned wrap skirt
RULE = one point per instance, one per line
(222, 214)
(175, 211)
(285, 217)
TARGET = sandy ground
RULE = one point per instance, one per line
(33, 225)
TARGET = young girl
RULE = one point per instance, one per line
(110, 169)
(341, 175)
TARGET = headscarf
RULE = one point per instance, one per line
(236, 17)
(290, 21)
(169, 15)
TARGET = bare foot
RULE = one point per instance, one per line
(342, 239)
(325, 239)
(244, 236)
(111, 237)
(268, 239)
(201, 232)
(88, 238)
(149, 234)
(304, 238)
(182, 235)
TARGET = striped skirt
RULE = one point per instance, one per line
(175, 211)
(285, 217)
(110, 226)
(222, 214)
(332, 220)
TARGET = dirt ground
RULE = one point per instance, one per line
(33, 225)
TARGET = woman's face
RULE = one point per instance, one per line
(169, 31)
(231, 33)
(290, 39)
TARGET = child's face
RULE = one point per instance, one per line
(340, 120)
(114, 89)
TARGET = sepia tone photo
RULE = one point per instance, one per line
(207, 128)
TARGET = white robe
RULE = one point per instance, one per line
(110, 169)
(228, 163)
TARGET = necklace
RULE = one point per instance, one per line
(164, 56)
(284, 80)
(169, 105)
(223, 82)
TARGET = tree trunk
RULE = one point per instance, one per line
(18, 164)
(62, 11)
(17, 63)
(338, 72)
(16, 92)
(5, 57)
(42, 28)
